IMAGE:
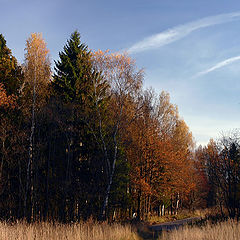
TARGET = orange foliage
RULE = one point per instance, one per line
(160, 153)
(6, 101)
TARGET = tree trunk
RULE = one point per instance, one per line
(139, 206)
(162, 210)
(106, 199)
(31, 148)
(177, 204)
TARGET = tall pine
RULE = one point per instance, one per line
(80, 92)
(73, 72)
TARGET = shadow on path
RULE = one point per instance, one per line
(153, 231)
(173, 225)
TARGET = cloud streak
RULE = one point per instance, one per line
(181, 31)
(218, 65)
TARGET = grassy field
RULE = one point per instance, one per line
(79, 231)
(229, 230)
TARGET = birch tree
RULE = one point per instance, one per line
(125, 81)
(37, 77)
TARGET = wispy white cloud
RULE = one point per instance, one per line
(218, 65)
(178, 32)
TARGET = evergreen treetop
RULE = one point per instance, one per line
(73, 71)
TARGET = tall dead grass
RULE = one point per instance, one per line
(75, 231)
(229, 230)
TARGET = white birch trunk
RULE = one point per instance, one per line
(31, 144)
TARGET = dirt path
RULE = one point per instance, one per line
(173, 225)
(154, 231)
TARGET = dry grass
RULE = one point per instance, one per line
(76, 231)
(229, 230)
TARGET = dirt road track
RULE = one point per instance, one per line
(173, 225)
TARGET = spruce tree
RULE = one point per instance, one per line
(73, 72)
(80, 94)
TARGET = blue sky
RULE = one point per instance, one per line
(189, 48)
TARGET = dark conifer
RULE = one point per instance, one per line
(73, 72)
(10, 72)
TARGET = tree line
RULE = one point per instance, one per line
(219, 165)
(86, 140)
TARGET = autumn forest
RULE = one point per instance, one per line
(83, 139)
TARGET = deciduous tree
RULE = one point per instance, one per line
(36, 80)
(125, 81)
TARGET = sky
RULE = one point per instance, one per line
(190, 49)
